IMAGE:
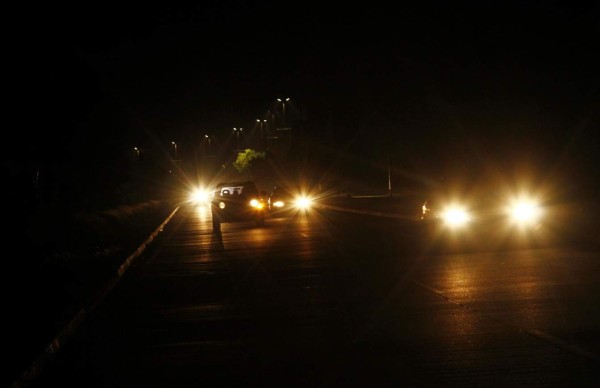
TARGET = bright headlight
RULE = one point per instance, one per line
(303, 202)
(200, 196)
(255, 203)
(455, 216)
(524, 212)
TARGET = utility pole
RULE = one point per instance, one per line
(389, 175)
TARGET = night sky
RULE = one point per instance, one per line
(494, 84)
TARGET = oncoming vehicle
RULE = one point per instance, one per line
(237, 202)
(484, 216)
(523, 212)
(283, 201)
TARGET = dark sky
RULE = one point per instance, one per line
(495, 74)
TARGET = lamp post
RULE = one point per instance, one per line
(174, 149)
(389, 175)
(137, 152)
(271, 116)
(208, 138)
(263, 132)
(283, 108)
(237, 137)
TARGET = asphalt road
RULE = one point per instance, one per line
(337, 299)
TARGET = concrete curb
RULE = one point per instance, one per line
(57, 343)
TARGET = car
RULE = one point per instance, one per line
(456, 214)
(484, 216)
(283, 201)
(237, 201)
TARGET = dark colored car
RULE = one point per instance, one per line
(237, 202)
(485, 217)
(456, 213)
(283, 201)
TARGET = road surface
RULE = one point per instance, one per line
(337, 299)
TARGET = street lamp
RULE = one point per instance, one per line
(263, 133)
(237, 137)
(283, 106)
(137, 152)
(174, 149)
(208, 138)
(271, 116)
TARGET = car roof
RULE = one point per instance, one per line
(235, 183)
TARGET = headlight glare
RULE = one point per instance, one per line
(455, 216)
(524, 212)
(303, 202)
(255, 203)
(200, 196)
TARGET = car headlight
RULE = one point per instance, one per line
(303, 202)
(524, 212)
(255, 203)
(278, 204)
(200, 196)
(455, 216)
